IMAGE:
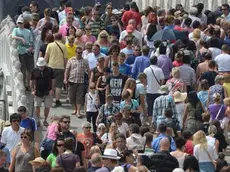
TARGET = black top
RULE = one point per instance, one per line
(93, 169)
(116, 85)
(43, 49)
(164, 162)
(78, 151)
(43, 80)
(210, 76)
(204, 128)
(223, 144)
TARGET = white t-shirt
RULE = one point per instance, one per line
(136, 33)
(11, 138)
(123, 128)
(215, 52)
(91, 102)
(152, 85)
(92, 59)
(223, 62)
(202, 156)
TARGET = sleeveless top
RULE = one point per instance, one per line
(192, 110)
(181, 160)
(22, 159)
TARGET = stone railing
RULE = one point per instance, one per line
(167, 4)
(11, 67)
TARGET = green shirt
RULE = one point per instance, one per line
(52, 159)
(28, 37)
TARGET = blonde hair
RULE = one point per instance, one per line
(227, 78)
(216, 97)
(175, 72)
(196, 34)
(79, 32)
(200, 138)
(227, 101)
(103, 32)
(94, 149)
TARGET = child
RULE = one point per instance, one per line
(226, 85)
(92, 102)
(211, 74)
(203, 92)
(124, 68)
(221, 162)
(172, 122)
(205, 125)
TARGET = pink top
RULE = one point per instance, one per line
(63, 30)
(86, 38)
(52, 131)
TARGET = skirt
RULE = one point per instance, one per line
(206, 167)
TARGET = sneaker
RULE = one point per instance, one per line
(57, 103)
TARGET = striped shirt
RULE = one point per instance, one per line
(97, 26)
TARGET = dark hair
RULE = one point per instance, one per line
(63, 117)
(168, 113)
(47, 26)
(162, 128)
(15, 116)
(188, 22)
(69, 143)
(213, 42)
(57, 36)
(225, 48)
(211, 18)
(44, 168)
(162, 48)
(216, 123)
(116, 64)
(114, 47)
(204, 84)
(207, 56)
(25, 8)
(144, 129)
(49, 38)
(177, 22)
(225, 169)
(196, 24)
(225, 5)
(191, 162)
(212, 64)
(34, 3)
(200, 7)
(71, 27)
(122, 136)
(134, 128)
(145, 50)
(148, 137)
(134, 6)
(57, 169)
(193, 99)
(153, 60)
(125, 154)
(152, 29)
(29, 133)
(79, 169)
(180, 142)
(55, 29)
(22, 109)
(187, 135)
(54, 148)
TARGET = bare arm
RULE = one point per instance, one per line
(107, 90)
(12, 165)
(142, 103)
(46, 57)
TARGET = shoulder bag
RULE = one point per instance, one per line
(155, 76)
(219, 112)
(210, 158)
(62, 53)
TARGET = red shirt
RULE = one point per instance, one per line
(131, 15)
(177, 63)
(189, 147)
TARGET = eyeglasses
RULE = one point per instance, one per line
(223, 9)
(60, 145)
(24, 137)
(66, 122)
(15, 120)
(109, 8)
(87, 127)
(104, 37)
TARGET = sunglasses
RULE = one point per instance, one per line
(24, 137)
(109, 8)
(20, 23)
(87, 28)
(14, 120)
(60, 145)
(104, 37)
(66, 122)
(87, 127)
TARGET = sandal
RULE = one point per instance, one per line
(45, 123)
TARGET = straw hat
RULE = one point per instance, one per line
(179, 97)
(163, 89)
(111, 154)
(39, 160)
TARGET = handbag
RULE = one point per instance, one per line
(210, 158)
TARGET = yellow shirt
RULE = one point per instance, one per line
(56, 57)
(71, 50)
(227, 88)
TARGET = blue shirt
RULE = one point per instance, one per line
(141, 62)
(156, 143)
(29, 123)
(125, 69)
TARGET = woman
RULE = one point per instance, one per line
(98, 71)
(68, 160)
(87, 37)
(101, 129)
(179, 154)
(127, 160)
(78, 41)
(122, 126)
(88, 49)
(211, 139)
(49, 38)
(204, 152)
(58, 149)
(109, 137)
(108, 13)
(70, 32)
(23, 153)
(192, 120)
(101, 85)
(104, 41)
(169, 22)
(131, 85)
(152, 29)
(47, 19)
(175, 83)
(203, 92)
(191, 164)
(113, 56)
(196, 38)
(217, 88)
(217, 110)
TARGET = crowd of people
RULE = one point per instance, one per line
(154, 85)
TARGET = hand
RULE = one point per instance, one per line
(51, 93)
(65, 82)
(23, 40)
(33, 93)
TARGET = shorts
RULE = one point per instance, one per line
(76, 93)
(27, 61)
(59, 77)
(48, 101)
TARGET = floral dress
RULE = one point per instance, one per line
(175, 84)
(216, 89)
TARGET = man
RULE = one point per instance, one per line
(192, 14)
(28, 123)
(200, 14)
(225, 10)
(65, 126)
(163, 61)
(92, 57)
(24, 40)
(3, 159)
(56, 56)
(155, 78)
(115, 28)
(223, 60)
(65, 27)
(121, 143)
(161, 104)
(135, 33)
(62, 14)
(115, 83)
(76, 69)
(35, 9)
(96, 23)
(162, 160)
(131, 14)
(11, 135)
(96, 162)
(203, 67)
(42, 85)
(141, 62)
(110, 160)
(187, 74)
